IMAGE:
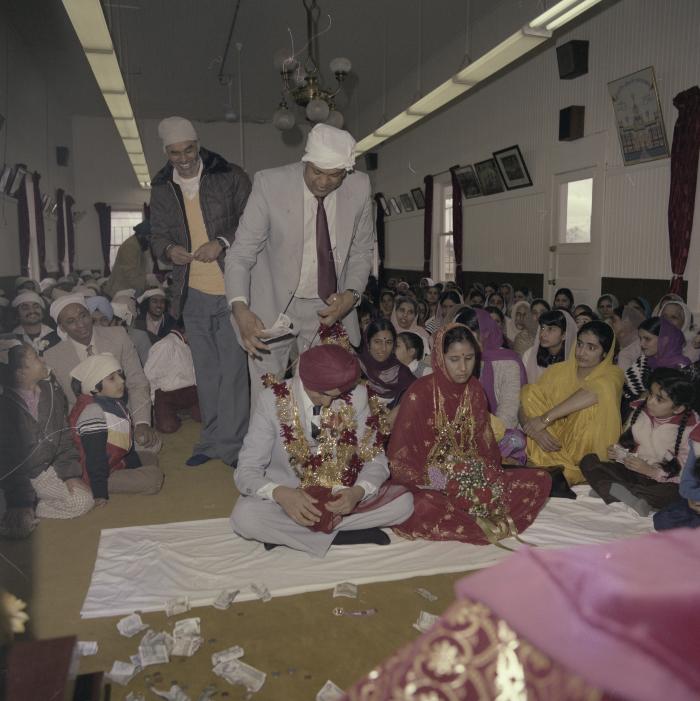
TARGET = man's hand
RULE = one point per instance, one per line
(75, 483)
(345, 501)
(534, 425)
(298, 505)
(18, 523)
(547, 441)
(612, 453)
(208, 252)
(251, 329)
(179, 255)
(339, 304)
(145, 436)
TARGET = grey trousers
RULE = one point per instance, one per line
(266, 521)
(221, 372)
(283, 354)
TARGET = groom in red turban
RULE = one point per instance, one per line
(312, 471)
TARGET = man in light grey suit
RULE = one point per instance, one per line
(83, 339)
(272, 469)
(304, 247)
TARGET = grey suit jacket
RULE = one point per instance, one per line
(263, 457)
(264, 262)
(62, 358)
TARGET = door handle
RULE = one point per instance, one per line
(553, 249)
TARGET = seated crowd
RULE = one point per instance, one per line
(456, 418)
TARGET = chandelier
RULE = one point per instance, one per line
(301, 81)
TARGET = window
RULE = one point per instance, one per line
(446, 250)
(576, 207)
(123, 223)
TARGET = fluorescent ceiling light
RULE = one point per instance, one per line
(89, 23)
(573, 12)
(502, 55)
(541, 20)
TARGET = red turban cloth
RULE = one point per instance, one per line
(326, 367)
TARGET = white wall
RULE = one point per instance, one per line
(103, 171)
(510, 232)
(35, 124)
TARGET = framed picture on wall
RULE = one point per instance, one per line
(489, 177)
(407, 202)
(468, 182)
(418, 197)
(395, 205)
(638, 117)
(17, 179)
(383, 204)
(5, 178)
(512, 168)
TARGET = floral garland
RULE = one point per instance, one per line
(340, 456)
(335, 335)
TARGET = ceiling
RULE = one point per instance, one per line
(170, 51)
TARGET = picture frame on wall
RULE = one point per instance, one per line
(489, 176)
(468, 182)
(396, 207)
(512, 167)
(418, 197)
(18, 175)
(407, 202)
(5, 175)
(383, 204)
(638, 117)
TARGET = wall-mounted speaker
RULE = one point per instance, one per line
(371, 161)
(571, 122)
(572, 59)
(62, 155)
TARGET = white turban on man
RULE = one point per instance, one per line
(176, 130)
(62, 302)
(28, 296)
(330, 148)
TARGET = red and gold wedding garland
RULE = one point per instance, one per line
(340, 455)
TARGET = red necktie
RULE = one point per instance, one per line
(327, 280)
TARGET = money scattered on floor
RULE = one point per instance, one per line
(153, 654)
(226, 598)
(122, 672)
(425, 621)
(87, 647)
(175, 607)
(345, 589)
(261, 591)
(330, 692)
(186, 645)
(131, 625)
(427, 595)
(186, 626)
(174, 694)
(228, 655)
(237, 672)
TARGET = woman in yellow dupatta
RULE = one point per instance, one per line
(574, 407)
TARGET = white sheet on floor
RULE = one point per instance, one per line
(139, 568)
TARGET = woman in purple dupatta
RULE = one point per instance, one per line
(387, 377)
(502, 375)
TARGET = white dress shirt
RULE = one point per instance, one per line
(81, 350)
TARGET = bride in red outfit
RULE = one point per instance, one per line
(442, 448)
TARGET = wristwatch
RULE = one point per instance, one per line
(224, 242)
(356, 295)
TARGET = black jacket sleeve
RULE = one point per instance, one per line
(95, 447)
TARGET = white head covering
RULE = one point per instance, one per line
(175, 130)
(5, 345)
(91, 371)
(688, 329)
(58, 292)
(155, 292)
(329, 148)
(84, 291)
(28, 296)
(62, 302)
(86, 274)
(46, 283)
(131, 293)
(21, 280)
(123, 312)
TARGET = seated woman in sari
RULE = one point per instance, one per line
(574, 408)
(442, 448)
(554, 342)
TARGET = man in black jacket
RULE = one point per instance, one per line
(196, 201)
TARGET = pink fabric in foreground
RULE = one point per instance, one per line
(625, 615)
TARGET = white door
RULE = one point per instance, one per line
(578, 200)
